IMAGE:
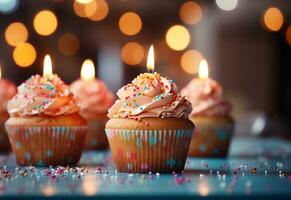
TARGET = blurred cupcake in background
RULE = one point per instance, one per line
(211, 114)
(45, 127)
(7, 91)
(95, 100)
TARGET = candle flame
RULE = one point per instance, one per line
(47, 66)
(0, 72)
(203, 69)
(88, 70)
(151, 60)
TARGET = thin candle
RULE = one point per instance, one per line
(151, 60)
(203, 69)
(47, 66)
(88, 70)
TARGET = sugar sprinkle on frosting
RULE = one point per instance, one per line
(150, 95)
(43, 96)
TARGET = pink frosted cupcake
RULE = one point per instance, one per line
(149, 129)
(95, 100)
(7, 91)
(211, 115)
(45, 127)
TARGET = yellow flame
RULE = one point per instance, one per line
(88, 70)
(47, 66)
(0, 72)
(151, 60)
(203, 69)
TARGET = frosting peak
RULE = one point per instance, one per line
(150, 95)
(93, 96)
(7, 91)
(206, 97)
(43, 96)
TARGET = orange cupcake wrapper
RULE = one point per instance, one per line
(44, 146)
(142, 151)
(96, 138)
(211, 141)
(4, 141)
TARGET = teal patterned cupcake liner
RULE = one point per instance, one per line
(44, 146)
(142, 151)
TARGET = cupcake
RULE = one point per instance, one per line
(211, 115)
(44, 127)
(148, 130)
(7, 91)
(95, 100)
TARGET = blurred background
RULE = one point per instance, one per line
(245, 42)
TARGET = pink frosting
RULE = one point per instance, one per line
(7, 91)
(93, 95)
(206, 97)
(43, 96)
(150, 95)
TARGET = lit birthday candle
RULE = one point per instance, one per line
(47, 66)
(88, 71)
(211, 112)
(94, 100)
(151, 60)
(203, 69)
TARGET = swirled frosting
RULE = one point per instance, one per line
(93, 96)
(150, 95)
(7, 91)
(48, 96)
(206, 97)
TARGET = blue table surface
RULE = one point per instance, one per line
(256, 168)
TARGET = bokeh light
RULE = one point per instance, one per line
(68, 44)
(84, 1)
(130, 23)
(288, 35)
(101, 11)
(273, 19)
(90, 8)
(48, 190)
(45, 22)
(190, 61)
(226, 4)
(90, 185)
(79, 9)
(24, 54)
(190, 12)
(16, 33)
(203, 188)
(178, 37)
(132, 53)
(8, 6)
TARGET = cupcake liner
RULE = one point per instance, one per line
(4, 141)
(96, 138)
(211, 140)
(142, 151)
(44, 146)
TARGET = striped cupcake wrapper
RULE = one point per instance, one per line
(211, 141)
(4, 141)
(44, 146)
(142, 151)
(96, 138)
